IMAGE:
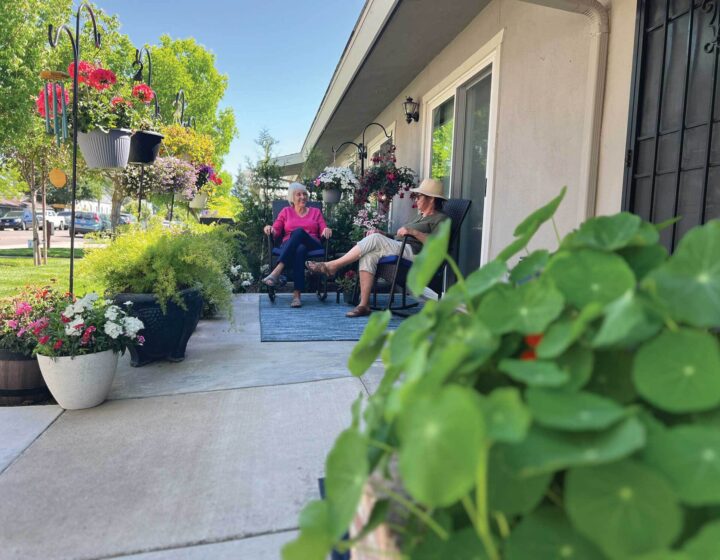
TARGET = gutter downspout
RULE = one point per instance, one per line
(597, 72)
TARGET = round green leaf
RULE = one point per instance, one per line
(440, 434)
(627, 323)
(461, 545)
(574, 412)
(689, 457)
(527, 309)
(578, 363)
(536, 373)
(565, 332)
(545, 451)
(346, 471)
(689, 281)
(429, 259)
(679, 371)
(588, 276)
(370, 344)
(547, 535)
(529, 266)
(508, 491)
(625, 508)
(706, 544)
(506, 416)
(663, 555)
(643, 260)
(612, 376)
(606, 233)
(314, 541)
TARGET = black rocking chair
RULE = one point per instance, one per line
(318, 255)
(394, 270)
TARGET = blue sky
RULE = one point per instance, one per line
(279, 56)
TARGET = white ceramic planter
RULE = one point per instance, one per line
(80, 381)
(199, 201)
(105, 150)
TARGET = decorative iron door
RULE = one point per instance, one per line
(673, 158)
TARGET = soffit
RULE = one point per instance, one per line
(415, 33)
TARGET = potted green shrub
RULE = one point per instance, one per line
(166, 273)
(565, 407)
(20, 318)
(78, 344)
(345, 284)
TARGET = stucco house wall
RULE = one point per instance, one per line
(542, 76)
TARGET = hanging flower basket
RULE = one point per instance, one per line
(145, 146)
(105, 150)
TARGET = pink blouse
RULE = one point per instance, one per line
(288, 220)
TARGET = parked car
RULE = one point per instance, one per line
(88, 222)
(50, 216)
(15, 219)
(126, 218)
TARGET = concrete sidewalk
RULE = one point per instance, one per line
(211, 458)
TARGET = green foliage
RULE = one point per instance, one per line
(165, 261)
(570, 410)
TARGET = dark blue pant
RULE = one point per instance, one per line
(293, 253)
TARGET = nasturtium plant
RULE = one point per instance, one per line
(563, 405)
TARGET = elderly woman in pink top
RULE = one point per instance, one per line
(301, 228)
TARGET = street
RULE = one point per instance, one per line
(10, 239)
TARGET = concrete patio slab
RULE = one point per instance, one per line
(221, 355)
(20, 426)
(265, 547)
(142, 475)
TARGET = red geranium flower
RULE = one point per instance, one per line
(102, 78)
(57, 345)
(84, 70)
(117, 100)
(532, 340)
(143, 92)
(55, 97)
(44, 339)
(528, 355)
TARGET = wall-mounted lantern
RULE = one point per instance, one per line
(411, 110)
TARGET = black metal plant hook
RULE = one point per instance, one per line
(138, 77)
(180, 103)
(53, 39)
(364, 147)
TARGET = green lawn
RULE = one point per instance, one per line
(63, 253)
(15, 273)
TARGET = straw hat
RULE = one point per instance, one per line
(430, 187)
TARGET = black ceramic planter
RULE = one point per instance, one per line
(144, 146)
(166, 335)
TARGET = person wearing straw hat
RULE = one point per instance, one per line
(376, 244)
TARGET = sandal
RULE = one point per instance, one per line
(271, 281)
(359, 311)
(317, 268)
(296, 302)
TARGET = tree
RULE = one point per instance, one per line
(23, 53)
(184, 64)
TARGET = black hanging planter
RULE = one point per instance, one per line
(166, 334)
(145, 146)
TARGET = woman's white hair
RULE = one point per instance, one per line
(291, 191)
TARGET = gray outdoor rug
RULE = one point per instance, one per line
(315, 320)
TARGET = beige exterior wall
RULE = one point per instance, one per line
(542, 80)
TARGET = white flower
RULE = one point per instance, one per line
(132, 325)
(128, 303)
(246, 283)
(86, 302)
(73, 327)
(113, 330)
(70, 311)
(112, 312)
(235, 270)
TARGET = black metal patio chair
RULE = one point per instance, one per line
(394, 270)
(318, 255)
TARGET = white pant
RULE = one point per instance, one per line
(376, 246)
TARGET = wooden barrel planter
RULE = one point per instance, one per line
(20, 380)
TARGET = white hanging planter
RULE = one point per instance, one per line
(199, 201)
(78, 382)
(105, 150)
